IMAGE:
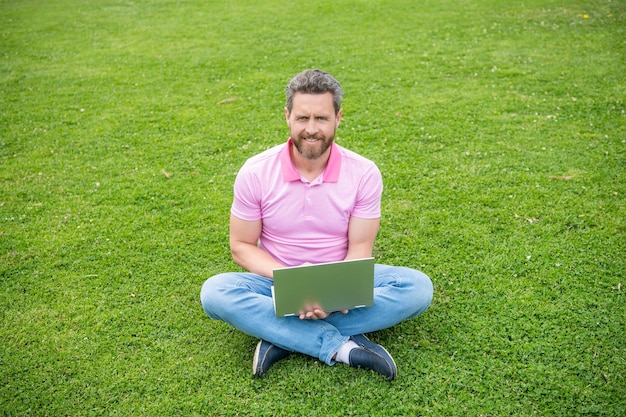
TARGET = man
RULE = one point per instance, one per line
(310, 201)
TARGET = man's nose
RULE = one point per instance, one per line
(311, 126)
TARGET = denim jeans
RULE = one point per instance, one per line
(244, 300)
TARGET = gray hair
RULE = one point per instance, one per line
(314, 82)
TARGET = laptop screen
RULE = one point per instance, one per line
(331, 286)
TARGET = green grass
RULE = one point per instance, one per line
(499, 127)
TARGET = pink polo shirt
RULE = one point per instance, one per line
(306, 221)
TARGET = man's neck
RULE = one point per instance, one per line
(309, 168)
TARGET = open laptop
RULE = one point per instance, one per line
(331, 286)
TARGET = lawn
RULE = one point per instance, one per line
(500, 130)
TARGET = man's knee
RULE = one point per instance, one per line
(209, 293)
(419, 290)
(423, 291)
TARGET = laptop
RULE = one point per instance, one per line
(331, 286)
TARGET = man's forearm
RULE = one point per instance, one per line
(254, 259)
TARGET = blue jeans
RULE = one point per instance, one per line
(244, 300)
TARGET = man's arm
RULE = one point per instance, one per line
(244, 236)
(361, 236)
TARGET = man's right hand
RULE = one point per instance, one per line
(317, 314)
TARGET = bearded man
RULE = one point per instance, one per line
(310, 200)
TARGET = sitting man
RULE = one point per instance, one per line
(310, 200)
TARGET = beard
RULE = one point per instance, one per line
(312, 150)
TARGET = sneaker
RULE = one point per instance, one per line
(266, 355)
(369, 355)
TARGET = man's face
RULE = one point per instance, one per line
(312, 123)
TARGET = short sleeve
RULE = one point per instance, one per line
(247, 201)
(369, 195)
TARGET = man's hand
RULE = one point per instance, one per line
(317, 314)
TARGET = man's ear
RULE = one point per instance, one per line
(287, 116)
(338, 117)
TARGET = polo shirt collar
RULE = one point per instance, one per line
(330, 174)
